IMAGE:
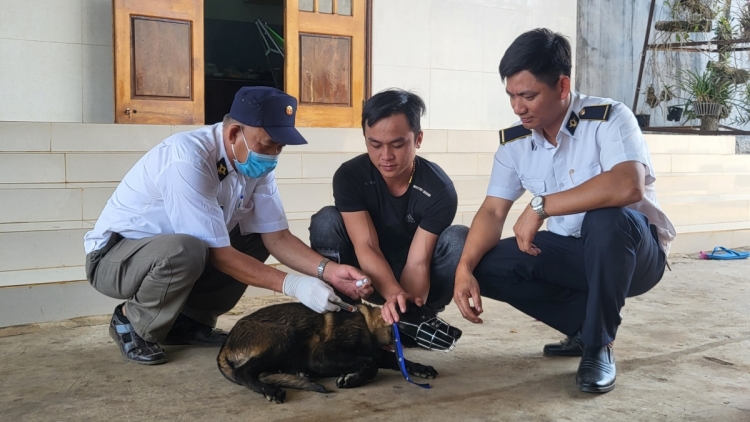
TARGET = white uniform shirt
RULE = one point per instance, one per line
(176, 188)
(594, 146)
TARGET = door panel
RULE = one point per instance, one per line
(325, 66)
(325, 60)
(158, 61)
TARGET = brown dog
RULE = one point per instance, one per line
(284, 345)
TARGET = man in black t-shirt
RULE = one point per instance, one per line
(394, 211)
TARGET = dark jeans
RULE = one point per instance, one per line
(578, 283)
(329, 238)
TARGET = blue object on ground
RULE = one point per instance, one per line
(721, 252)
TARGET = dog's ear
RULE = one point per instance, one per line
(417, 313)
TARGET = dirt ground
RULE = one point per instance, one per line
(683, 354)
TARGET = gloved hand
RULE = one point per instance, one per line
(312, 292)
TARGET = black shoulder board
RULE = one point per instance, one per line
(221, 169)
(597, 112)
(512, 133)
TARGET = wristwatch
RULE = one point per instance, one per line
(537, 204)
(322, 266)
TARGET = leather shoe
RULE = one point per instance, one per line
(189, 331)
(597, 371)
(132, 346)
(571, 346)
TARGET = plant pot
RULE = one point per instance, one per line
(674, 113)
(702, 109)
(643, 119)
(683, 26)
(709, 123)
(699, 8)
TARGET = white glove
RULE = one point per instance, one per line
(312, 292)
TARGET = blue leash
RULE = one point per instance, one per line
(400, 355)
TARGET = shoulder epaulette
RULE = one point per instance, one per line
(596, 112)
(513, 133)
(221, 169)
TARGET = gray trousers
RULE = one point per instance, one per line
(163, 275)
(329, 238)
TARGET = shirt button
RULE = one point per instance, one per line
(561, 185)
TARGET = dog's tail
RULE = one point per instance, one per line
(226, 366)
(300, 382)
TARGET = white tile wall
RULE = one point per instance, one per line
(496, 111)
(468, 37)
(463, 141)
(40, 81)
(32, 205)
(454, 42)
(455, 100)
(41, 249)
(77, 137)
(289, 167)
(98, 167)
(97, 22)
(434, 141)
(98, 84)
(94, 200)
(497, 37)
(305, 197)
(32, 168)
(21, 136)
(323, 165)
(56, 21)
(397, 23)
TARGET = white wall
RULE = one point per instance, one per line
(56, 56)
(56, 61)
(448, 51)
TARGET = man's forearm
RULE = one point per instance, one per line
(415, 279)
(608, 189)
(246, 269)
(373, 263)
(485, 232)
(292, 252)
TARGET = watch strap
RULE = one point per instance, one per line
(322, 267)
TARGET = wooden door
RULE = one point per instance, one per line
(158, 61)
(325, 60)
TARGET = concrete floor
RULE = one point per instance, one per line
(683, 354)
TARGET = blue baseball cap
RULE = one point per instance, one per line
(269, 108)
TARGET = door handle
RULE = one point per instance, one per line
(128, 111)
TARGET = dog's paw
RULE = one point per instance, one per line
(422, 371)
(348, 381)
(275, 395)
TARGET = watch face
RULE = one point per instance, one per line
(537, 201)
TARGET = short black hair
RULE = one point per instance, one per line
(545, 54)
(394, 101)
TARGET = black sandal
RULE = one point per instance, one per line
(132, 346)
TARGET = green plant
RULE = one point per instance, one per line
(710, 98)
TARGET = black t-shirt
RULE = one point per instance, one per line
(430, 202)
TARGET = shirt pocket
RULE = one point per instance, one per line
(535, 186)
(581, 176)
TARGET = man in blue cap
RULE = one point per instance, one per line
(191, 225)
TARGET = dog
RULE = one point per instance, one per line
(287, 345)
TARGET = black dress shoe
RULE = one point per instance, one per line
(571, 346)
(132, 346)
(597, 372)
(189, 331)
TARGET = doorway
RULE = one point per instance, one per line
(244, 46)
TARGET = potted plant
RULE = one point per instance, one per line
(744, 19)
(709, 98)
(688, 16)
